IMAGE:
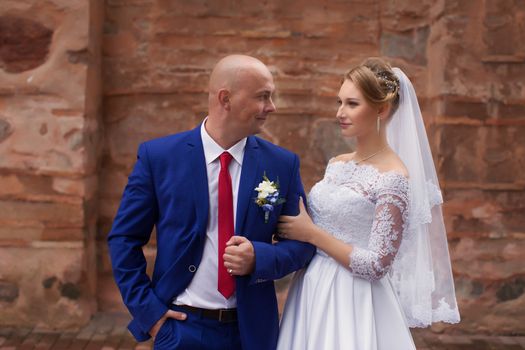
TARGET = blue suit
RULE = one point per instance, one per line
(168, 189)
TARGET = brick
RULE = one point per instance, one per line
(457, 106)
(47, 341)
(96, 342)
(127, 343)
(64, 341)
(78, 343)
(112, 342)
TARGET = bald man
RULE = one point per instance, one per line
(212, 285)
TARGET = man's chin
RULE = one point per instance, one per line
(257, 129)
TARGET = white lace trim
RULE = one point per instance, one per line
(382, 196)
(421, 317)
(421, 214)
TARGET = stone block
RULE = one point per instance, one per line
(84, 188)
(511, 290)
(23, 233)
(39, 140)
(38, 214)
(504, 28)
(52, 291)
(404, 15)
(484, 214)
(482, 155)
(410, 45)
(460, 163)
(32, 187)
(458, 106)
(481, 258)
(513, 111)
(503, 146)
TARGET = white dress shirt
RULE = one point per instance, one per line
(202, 291)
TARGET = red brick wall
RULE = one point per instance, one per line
(466, 59)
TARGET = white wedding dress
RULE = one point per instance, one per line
(331, 306)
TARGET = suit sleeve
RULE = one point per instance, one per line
(131, 230)
(274, 261)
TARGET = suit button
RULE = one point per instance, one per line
(192, 268)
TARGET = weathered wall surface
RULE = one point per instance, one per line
(466, 59)
(479, 113)
(50, 100)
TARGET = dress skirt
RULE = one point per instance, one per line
(330, 308)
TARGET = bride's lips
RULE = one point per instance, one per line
(345, 125)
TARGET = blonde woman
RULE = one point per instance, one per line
(382, 262)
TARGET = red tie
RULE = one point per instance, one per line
(226, 282)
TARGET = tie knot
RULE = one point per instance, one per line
(225, 159)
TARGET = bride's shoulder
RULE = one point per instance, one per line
(392, 163)
(388, 163)
(345, 157)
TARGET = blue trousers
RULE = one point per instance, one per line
(197, 333)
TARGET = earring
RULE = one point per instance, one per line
(378, 124)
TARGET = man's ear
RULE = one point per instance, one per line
(224, 97)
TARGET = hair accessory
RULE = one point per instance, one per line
(390, 84)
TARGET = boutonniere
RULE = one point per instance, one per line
(268, 196)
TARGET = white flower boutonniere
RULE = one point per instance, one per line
(268, 196)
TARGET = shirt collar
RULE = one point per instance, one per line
(212, 150)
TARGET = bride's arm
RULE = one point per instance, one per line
(389, 224)
(301, 228)
(372, 262)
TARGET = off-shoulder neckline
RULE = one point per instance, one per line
(367, 166)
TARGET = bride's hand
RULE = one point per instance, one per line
(300, 227)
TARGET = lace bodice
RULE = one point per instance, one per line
(366, 208)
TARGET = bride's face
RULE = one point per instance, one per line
(355, 115)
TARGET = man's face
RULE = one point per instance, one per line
(251, 100)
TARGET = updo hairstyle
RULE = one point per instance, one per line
(376, 81)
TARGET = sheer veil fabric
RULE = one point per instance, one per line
(421, 274)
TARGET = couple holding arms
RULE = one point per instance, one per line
(371, 248)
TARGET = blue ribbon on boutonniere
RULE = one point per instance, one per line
(268, 196)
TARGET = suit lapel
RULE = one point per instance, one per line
(199, 177)
(247, 182)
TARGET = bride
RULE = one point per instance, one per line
(382, 262)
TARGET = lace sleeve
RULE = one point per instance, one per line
(390, 217)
